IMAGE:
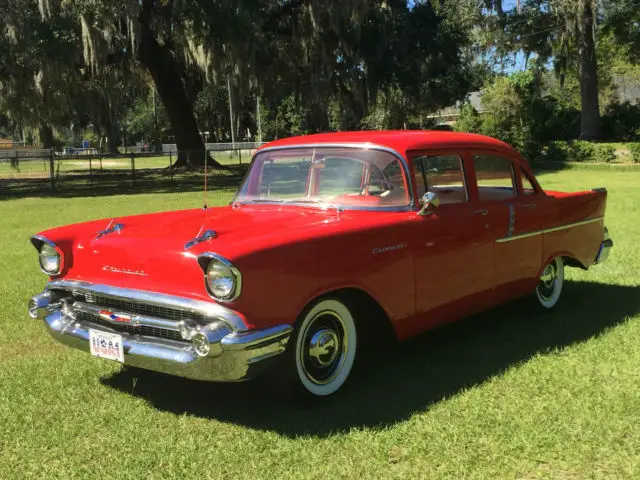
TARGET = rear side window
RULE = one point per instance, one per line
(527, 185)
(494, 177)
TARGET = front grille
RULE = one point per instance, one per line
(143, 330)
(129, 306)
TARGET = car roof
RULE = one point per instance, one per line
(402, 141)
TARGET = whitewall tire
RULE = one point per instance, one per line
(550, 284)
(325, 347)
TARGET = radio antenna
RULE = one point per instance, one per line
(205, 178)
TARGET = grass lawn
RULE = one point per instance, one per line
(507, 394)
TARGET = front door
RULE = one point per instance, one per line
(453, 250)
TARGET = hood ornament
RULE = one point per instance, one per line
(202, 236)
(112, 227)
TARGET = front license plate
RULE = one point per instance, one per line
(106, 345)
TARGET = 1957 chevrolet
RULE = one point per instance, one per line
(330, 238)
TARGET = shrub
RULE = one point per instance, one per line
(604, 153)
(634, 148)
(581, 150)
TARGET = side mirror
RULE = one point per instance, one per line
(429, 201)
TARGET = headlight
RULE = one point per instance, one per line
(49, 259)
(223, 279)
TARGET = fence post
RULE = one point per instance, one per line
(52, 176)
(133, 169)
(170, 166)
(240, 155)
(101, 161)
(90, 170)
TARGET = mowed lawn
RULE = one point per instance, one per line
(507, 394)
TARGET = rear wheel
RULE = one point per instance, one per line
(324, 348)
(550, 284)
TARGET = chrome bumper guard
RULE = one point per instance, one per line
(605, 248)
(232, 355)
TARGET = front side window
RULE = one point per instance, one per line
(442, 175)
(494, 176)
(326, 175)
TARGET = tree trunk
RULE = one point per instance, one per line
(46, 135)
(590, 115)
(160, 63)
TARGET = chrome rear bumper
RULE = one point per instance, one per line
(233, 355)
(605, 248)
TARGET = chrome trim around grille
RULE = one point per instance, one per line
(134, 320)
(207, 309)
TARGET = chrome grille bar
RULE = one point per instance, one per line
(134, 299)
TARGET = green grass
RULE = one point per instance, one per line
(507, 394)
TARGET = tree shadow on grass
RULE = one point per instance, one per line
(406, 378)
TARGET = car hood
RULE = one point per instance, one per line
(149, 249)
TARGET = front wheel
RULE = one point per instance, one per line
(325, 348)
(550, 284)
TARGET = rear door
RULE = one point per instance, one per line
(517, 253)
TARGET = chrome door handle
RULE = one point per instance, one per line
(480, 212)
(529, 205)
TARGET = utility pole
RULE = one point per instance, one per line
(259, 123)
(233, 135)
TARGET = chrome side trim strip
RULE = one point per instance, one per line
(518, 237)
(576, 224)
(548, 230)
(365, 145)
(207, 309)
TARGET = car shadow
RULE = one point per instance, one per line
(404, 378)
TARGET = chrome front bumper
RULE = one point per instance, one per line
(233, 355)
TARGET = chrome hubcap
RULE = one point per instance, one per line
(324, 345)
(547, 283)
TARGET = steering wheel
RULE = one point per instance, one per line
(385, 185)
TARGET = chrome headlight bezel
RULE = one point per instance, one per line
(43, 244)
(212, 262)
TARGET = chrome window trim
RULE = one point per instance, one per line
(549, 230)
(35, 239)
(207, 309)
(236, 273)
(361, 145)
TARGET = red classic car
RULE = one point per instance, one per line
(330, 238)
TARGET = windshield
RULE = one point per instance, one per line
(327, 175)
